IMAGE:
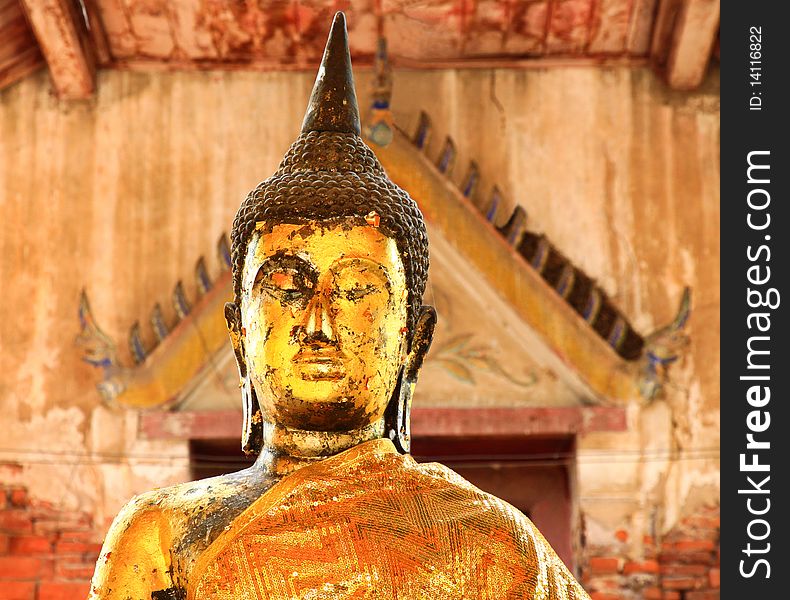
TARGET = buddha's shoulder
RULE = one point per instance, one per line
(161, 532)
(135, 558)
(168, 509)
(454, 489)
(177, 497)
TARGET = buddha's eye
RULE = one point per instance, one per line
(354, 279)
(285, 280)
(358, 292)
(284, 283)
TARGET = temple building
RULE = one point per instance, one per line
(565, 156)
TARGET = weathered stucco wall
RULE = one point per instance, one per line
(121, 194)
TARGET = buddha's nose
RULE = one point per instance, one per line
(319, 321)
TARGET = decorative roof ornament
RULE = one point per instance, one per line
(139, 383)
(99, 350)
(380, 123)
(663, 347)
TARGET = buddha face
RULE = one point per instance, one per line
(323, 315)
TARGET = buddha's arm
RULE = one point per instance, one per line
(135, 558)
(545, 577)
(550, 579)
(563, 584)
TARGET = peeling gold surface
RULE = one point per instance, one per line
(330, 509)
(134, 560)
(323, 309)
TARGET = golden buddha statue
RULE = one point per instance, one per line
(330, 260)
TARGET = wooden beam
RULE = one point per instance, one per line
(684, 37)
(695, 36)
(435, 422)
(62, 34)
(663, 31)
(641, 27)
(364, 64)
(24, 63)
(19, 53)
(516, 421)
(101, 44)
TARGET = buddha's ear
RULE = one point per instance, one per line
(420, 342)
(251, 432)
(397, 415)
(233, 321)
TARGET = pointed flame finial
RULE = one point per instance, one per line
(333, 103)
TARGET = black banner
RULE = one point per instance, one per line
(755, 420)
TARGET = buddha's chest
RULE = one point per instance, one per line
(382, 551)
(344, 562)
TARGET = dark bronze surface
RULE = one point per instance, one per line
(333, 103)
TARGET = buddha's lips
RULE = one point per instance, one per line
(328, 355)
(317, 366)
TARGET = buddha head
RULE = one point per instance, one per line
(330, 261)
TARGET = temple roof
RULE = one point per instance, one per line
(676, 38)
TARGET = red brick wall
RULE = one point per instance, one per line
(45, 553)
(683, 565)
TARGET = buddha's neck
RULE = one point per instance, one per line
(286, 450)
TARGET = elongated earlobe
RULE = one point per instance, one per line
(398, 413)
(252, 432)
(421, 342)
(233, 322)
(252, 420)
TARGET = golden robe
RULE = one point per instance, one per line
(371, 523)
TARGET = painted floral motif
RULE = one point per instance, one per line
(462, 358)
